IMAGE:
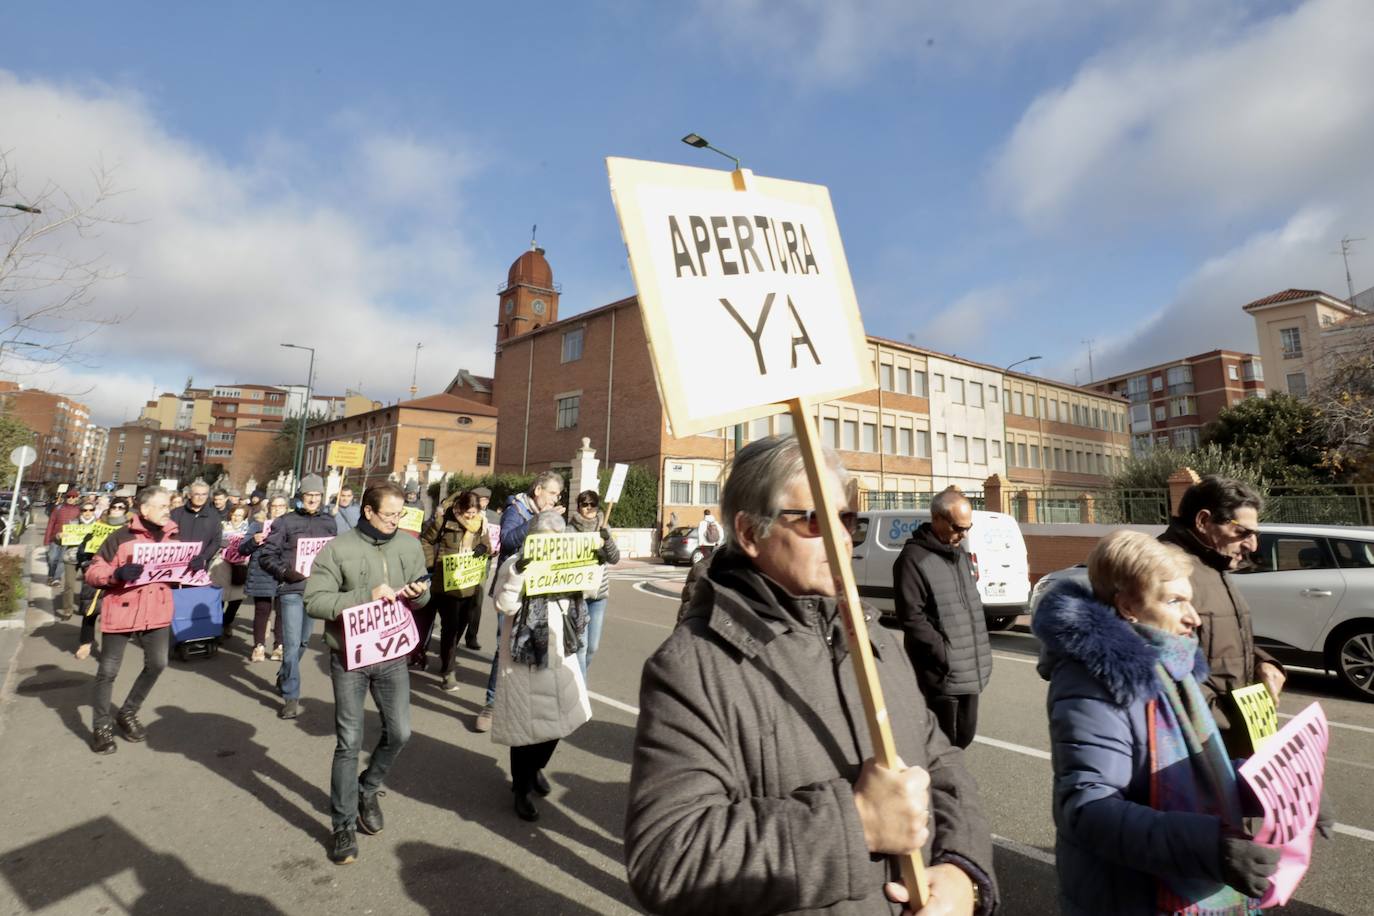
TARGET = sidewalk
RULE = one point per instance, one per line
(38, 611)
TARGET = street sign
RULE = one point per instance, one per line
(345, 454)
(23, 456)
(109, 486)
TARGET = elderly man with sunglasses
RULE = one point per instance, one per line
(942, 615)
(1218, 526)
(749, 787)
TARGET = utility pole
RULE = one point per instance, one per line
(1091, 377)
(414, 373)
(1345, 256)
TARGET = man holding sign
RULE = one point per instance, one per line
(362, 585)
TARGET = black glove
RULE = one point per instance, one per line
(481, 550)
(197, 564)
(1246, 865)
(605, 534)
(1326, 821)
(602, 557)
(521, 563)
(292, 576)
(128, 572)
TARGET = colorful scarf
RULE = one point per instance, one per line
(1189, 771)
(530, 637)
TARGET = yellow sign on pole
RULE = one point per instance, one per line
(463, 570)
(1257, 709)
(412, 519)
(345, 454)
(73, 533)
(99, 532)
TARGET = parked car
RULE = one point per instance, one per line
(1311, 594)
(680, 546)
(23, 514)
(995, 546)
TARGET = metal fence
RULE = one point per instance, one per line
(1320, 504)
(891, 499)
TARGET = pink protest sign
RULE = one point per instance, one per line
(494, 536)
(231, 550)
(1287, 778)
(306, 551)
(378, 631)
(166, 562)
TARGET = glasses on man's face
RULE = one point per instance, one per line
(1240, 531)
(850, 521)
(390, 516)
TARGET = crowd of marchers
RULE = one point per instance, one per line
(753, 788)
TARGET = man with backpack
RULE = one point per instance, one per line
(709, 534)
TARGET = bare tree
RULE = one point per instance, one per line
(1344, 394)
(49, 272)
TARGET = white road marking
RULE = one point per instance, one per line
(614, 704)
(1008, 746)
(1354, 728)
(647, 623)
(1030, 852)
(1016, 658)
(1357, 832)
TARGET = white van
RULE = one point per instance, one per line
(995, 546)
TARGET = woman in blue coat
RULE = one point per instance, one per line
(1147, 808)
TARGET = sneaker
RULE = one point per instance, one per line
(525, 808)
(289, 710)
(450, 684)
(370, 820)
(132, 728)
(276, 654)
(541, 784)
(259, 653)
(102, 740)
(483, 723)
(343, 847)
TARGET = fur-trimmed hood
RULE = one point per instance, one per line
(1071, 624)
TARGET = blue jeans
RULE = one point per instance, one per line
(389, 684)
(54, 561)
(495, 661)
(596, 616)
(295, 632)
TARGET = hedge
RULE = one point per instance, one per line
(11, 584)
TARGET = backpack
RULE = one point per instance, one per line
(712, 532)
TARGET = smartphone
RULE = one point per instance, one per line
(425, 578)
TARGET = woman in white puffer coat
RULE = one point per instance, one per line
(540, 693)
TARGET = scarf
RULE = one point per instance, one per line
(477, 523)
(530, 639)
(577, 523)
(365, 527)
(1189, 771)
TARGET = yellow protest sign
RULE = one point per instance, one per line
(412, 519)
(1257, 709)
(345, 454)
(566, 562)
(73, 533)
(463, 570)
(99, 532)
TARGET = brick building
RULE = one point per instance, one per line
(140, 453)
(233, 406)
(1171, 403)
(59, 424)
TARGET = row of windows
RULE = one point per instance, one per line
(680, 493)
(1057, 411)
(1073, 461)
(902, 380)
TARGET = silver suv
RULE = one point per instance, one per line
(1311, 594)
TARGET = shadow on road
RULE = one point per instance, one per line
(448, 880)
(91, 853)
(64, 692)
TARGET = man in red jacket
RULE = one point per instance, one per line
(130, 610)
(68, 512)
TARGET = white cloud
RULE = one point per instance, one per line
(221, 261)
(961, 327)
(1216, 123)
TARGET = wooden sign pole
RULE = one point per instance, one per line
(875, 709)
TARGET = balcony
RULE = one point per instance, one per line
(1181, 388)
(1295, 353)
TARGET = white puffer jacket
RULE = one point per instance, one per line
(534, 705)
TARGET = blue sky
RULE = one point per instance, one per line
(1010, 179)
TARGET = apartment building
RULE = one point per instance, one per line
(1172, 403)
(189, 410)
(1297, 329)
(91, 458)
(59, 425)
(141, 453)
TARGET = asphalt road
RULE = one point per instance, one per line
(225, 808)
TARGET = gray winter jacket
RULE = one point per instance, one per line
(939, 608)
(750, 737)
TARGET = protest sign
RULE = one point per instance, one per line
(616, 486)
(99, 532)
(494, 536)
(345, 454)
(168, 483)
(564, 562)
(378, 631)
(1287, 775)
(1256, 706)
(463, 570)
(267, 528)
(167, 561)
(412, 519)
(752, 271)
(231, 554)
(73, 533)
(306, 551)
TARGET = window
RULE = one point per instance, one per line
(426, 450)
(568, 410)
(959, 451)
(1233, 372)
(830, 431)
(941, 443)
(1159, 414)
(1030, 405)
(939, 382)
(1290, 552)
(1290, 342)
(850, 432)
(975, 394)
(1064, 411)
(1182, 407)
(680, 492)
(1044, 408)
(1297, 384)
(708, 494)
(903, 381)
(1156, 383)
(1184, 438)
(484, 454)
(1022, 459)
(1054, 412)
(1252, 372)
(885, 379)
(1035, 456)
(904, 446)
(922, 443)
(918, 384)
(385, 449)
(1058, 460)
(1097, 419)
(1351, 554)
(980, 451)
(889, 440)
(572, 345)
(758, 429)
(996, 449)
(870, 441)
(1180, 379)
(785, 424)
(1018, 403)
(956, 390)
(1138, 388)
(860, 532)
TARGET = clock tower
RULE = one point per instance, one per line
(529, 299)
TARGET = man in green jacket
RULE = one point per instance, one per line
(368, 563)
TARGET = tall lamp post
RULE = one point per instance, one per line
(1028, 359)
(305, 410)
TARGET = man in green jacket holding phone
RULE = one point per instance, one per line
(368, 563)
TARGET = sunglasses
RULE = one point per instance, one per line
(850, 521)
(1241, 531)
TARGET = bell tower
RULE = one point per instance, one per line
(529, 300)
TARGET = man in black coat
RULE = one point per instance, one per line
(939, 608)
(197, 520)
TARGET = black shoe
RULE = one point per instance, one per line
(102, 740)
(289, 710)
(474, 645)
(541, 784)
(525, 808)
(370, 819)
(132, 728)
(343, 847)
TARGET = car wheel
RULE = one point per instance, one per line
(1354, 661)
(1000, 623)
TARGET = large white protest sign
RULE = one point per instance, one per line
(752, 284)
(167, 561)
(376, 632)
(616, 485)
(307, 549)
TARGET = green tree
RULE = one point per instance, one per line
(12, 435)
(280, 455)
(1280, 437)
(1139, 492)
(638, 505)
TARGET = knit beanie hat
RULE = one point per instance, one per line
(311, 483)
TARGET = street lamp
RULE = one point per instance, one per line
(1028, 359)
(700, 142)
(305, 410)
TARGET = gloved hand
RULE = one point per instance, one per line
(292, 576)
(521, 563)
(481, 550)
(197, 564)
(1326, 820)
(605, 534)
(128, 572)
(1246, 865)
